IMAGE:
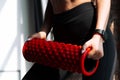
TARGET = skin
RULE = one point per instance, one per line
(96, 42)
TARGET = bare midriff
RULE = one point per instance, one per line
(60, 6)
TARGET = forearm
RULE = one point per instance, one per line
(48, 20)
(96, 42)
(103, 10)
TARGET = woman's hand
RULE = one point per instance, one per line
(96, 42)
(40, 34)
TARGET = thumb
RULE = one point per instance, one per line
(91, 53)
(85, 46)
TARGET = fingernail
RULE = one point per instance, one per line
(83, 50)
(28, 39)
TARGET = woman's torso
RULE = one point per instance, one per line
(63, 5)
(75, 25)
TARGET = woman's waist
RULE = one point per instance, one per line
(60, 6)
(74, 14)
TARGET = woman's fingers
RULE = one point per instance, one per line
(41, 35)
(95, 54)
(85, 46)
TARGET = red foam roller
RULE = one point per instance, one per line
(57, 55)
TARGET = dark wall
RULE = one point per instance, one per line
(115, 12)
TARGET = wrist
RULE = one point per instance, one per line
(98, 37)
(100, 33)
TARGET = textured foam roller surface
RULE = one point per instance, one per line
(57, 55)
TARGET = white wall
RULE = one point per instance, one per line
(16, 23)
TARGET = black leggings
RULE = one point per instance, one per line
(76, 26)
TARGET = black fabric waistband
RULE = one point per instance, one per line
(74, 12)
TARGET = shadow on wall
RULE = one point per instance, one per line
(26, 23)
